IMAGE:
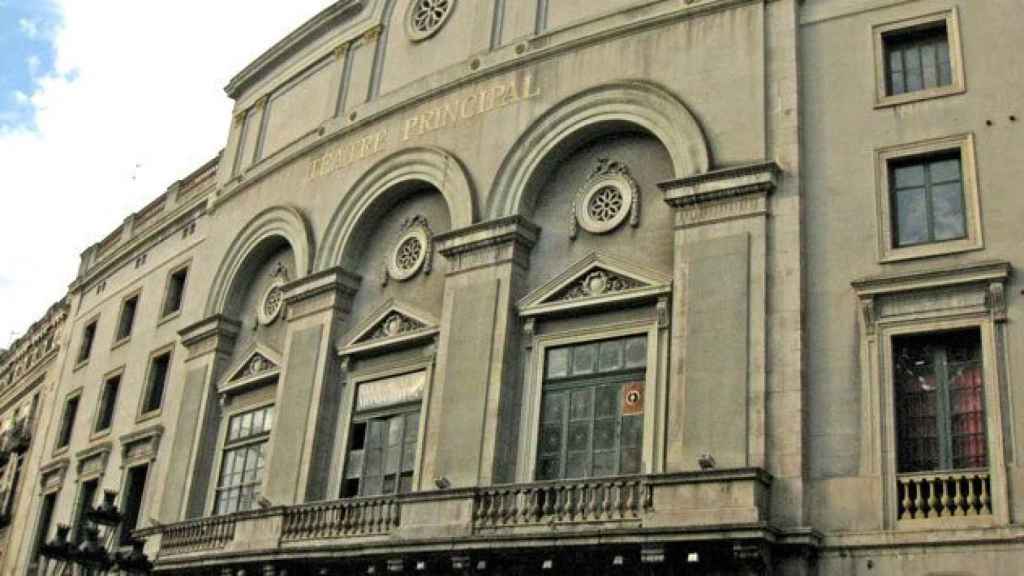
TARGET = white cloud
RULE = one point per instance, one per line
(20, 97)
(33, 64)
(135, 83)
(29, 28)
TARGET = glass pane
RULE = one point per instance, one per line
(412, 427)
(268, 419)
(632, 431)
(405, 483)
(582, 404)
(915, 80)
(409, 457)
(233, 429)
(608, 400)
(928, 61)
(896, 83)
(948, 212)
(908, 176)
(630, 461)
(391, 461)
(389, 484)
(611, 355)
(911, 217)
(245, 428)
(636, 352)
(579, 436)
(605, 463)
(257, 422)
(945, 171)
(606, 434)
(549, 468)
(916, 401)
(584, 359)
(551, 439)
(895, 61)
(553, 409)
(372, 485)
(557, 364)
(395, 428)
(373, 461)
(577, 465)
(354, 466)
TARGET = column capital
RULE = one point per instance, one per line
(488, 244)
(724, 194)
(214, 333)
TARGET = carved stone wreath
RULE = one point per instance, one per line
(393, 325)
(605, 200)
(426, 17)
(412, 253)
(273, 297)
(597, 283)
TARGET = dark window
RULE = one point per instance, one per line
(88, 335)
(927, 199)
(124, 326)
(175, 291)
(86, 496)
(67, 423)
(134, 488)
(940, 408)
(9, 480)
(108, 402)
(241, 470)
(158, 369)
(592, 410)
(382, 454)
(45, 519)
(917, 59)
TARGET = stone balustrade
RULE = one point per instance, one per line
(213, 533)
(340, 518)
(582, 501)
(943, 494)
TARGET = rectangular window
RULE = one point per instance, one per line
(241, 471)
(45, 519)
(939, 395)
(384, 436)
(917, 59)
(67, 423)
(928, 199)
(158, 369)
(108, 403)
(86, 497)
(131, 504)
(592, 409)
(127, 320)
(175, 292)
(88, 335)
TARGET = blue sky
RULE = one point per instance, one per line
(27, 52)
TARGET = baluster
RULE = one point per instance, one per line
(919, 498)
(549, 505)
(933, 502)
(958, 499)
(986, 504)
(592, 507)
(488, 508)
(972, 497)
(944, 501)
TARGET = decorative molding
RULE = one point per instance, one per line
(605, 199)
(997, 301)
(488, 244)
(425, 18)
(723, 194)
(597, 280)
(664, 313)
(393, 324)
(975, 272)
(216, 333)
(273, 302)
(259, 365)
(413, 251)
(92, 461)
(51, 476)
(329, 289)
(140, 446)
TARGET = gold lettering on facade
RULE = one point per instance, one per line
(425, 120)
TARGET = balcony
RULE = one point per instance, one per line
(720, 505)
(961, 496)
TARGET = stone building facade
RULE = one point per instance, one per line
(659, 286)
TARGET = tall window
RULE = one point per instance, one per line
(131, 504)
(940, 412)
(385, 430)
(592, 409)
(10, 476)
(45, 519)
(86, 497)
(241, 470)
(928, 199)
(175, 292)
(88, 335)
(67, 422)
(108, 403)
(917, 59)
(127, 320)
(158, 369)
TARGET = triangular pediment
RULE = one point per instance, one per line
(257, 363)
(391, 322)
(596, 279)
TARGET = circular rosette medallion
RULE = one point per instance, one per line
(410, 252)
(272, 302)
(605, 204)
(426, 17)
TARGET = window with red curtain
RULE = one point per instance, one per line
(940, 412)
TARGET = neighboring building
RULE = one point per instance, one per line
(29, 371)
(620, 286)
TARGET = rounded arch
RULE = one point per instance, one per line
(383, 184)
(272, 227)
(632, 105)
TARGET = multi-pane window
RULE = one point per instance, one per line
(175, 291)
(67, 422)
(88, 335)
(592, 409)
(127, 320)
(158, 369)
(45, 519)
(383, 441)
(939, 393)
(927, 199)
(241, 469)
(86, 497)
(108, 403)
(131, 505)
(917, 59)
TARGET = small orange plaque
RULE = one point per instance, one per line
(633, 399)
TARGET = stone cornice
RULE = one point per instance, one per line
(722, 184)
(979, 272)
(512, 229)
(334, 287)
(217, 328)
(292, 43)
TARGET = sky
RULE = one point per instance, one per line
(104, 104)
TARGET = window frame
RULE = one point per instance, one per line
(166, 315)
(59, 446)
(119, 338)
(527, 468)
(95, 431)
(144, 414)
(83, 355)
(962, 144)
(126, 477)
(957, 85)
(224, 446)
